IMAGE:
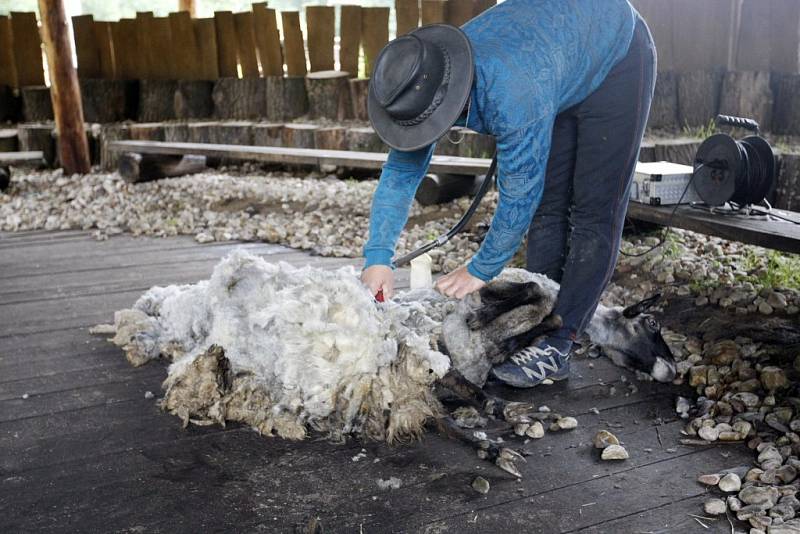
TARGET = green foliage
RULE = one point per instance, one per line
(701, 132)
(773, 269)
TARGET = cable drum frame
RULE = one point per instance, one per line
(741, 172)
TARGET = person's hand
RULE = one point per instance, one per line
(379, 278)
(459, 283)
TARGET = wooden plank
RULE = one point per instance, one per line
(769, 234)
(105, 49)
(433, 11)
(407, 13)
(86, 47)
(293, 48)
(268, 40)
(703, 34)
(320, 29)
(8, 70)
(752, 42)
(124, 38)
(374, 33)
(27, 49)
(161, 49)
(142, 52)
(659, 16)
(784, 36)
(16, 158)
(350, 39)
(206, 38)
(226, 44)
(458, 12)
(184, 42)
(246, 44)
(297, 156)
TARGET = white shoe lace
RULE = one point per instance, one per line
(537, 355)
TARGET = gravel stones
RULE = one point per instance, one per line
(761, 495)
(715, 507)
(730, 483)
(614, 452)
(535, 431)
(564, 423)
(773, 378)
(603, 439)
(481, 485)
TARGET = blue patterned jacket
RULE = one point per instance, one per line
(533, 59)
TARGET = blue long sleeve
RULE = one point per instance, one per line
(522, 162)
(391, 203)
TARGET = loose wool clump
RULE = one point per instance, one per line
(287, 350)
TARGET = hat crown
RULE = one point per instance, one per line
(407, 75)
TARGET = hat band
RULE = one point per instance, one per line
(437, 100)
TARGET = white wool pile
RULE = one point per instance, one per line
(294, 349)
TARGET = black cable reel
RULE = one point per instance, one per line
(741, 172)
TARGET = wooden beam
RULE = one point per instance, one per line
(161, 50)
(8, 69)
(374, 33)
(268, 40)
(246, 44)
(433, 11)
(27, 49)
(142, 54)
(206, 36)
(34, 157)
(350, 39)
(407, 12)
(123, 35)
(67, 107)
(297, 156)
(138, 168)
(105, 49)
(226, 44)
(188, 6)
(321, 29)
(294, 50)
(86, 47)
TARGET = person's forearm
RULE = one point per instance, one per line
(400, 178)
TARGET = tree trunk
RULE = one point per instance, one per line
(333, 138)
(786, 118)
(359, 91)
(664, 110)
(156, 100)
(36, 103)
(137, 168)
(8, 140)
(328, 95)
(104, 100)
(698, 97)
(66, 94)
(681, 151)
(268, 134)
(748, 95)
(364, 140)
(299, 135)
(442, 188)
(193, 99)
(38, 137)
(787, 192)
(236, 98)
(287, 98)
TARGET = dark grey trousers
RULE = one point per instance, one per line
(575, 235)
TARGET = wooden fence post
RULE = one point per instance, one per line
(188, 6)
(8, 70)
(105, 49)
(294, 49)
(433, 11)
(86, 47)
(407, 12)
(73, 146)
(246, 44)
(268, 40)
(185, 44)
(123, 35)
(374, 33)
(459, 12)
(141, 53)
(226, 44)
(350, 39)
(321, 29)
(206, 36)
(27, 49)
(785, 34)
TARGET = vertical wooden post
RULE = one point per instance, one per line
(206, 36)
(268, 40)
(246, 44)
(226, 43)
(293, 44)
(350, 39)
(374, 33)
(123, 35)
(189, 6)
(184, 43)
(321, 29)
(433, 11)
(407, 12)
(459, 12)
(141, 54)
(86, 47)
(72, 145)
(8, 70)
(105, 50)
(27, 49)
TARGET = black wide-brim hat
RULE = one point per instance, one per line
(420, 85)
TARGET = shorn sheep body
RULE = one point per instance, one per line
(288, 350)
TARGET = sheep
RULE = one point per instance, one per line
(291, 350)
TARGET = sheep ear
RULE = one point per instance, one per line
(639, 308)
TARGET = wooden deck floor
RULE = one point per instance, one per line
(82, 449)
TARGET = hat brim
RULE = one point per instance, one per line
(462, 68)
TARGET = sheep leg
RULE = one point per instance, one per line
(502, 297)
(514, 344)
(502, 457)
(511, 412)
